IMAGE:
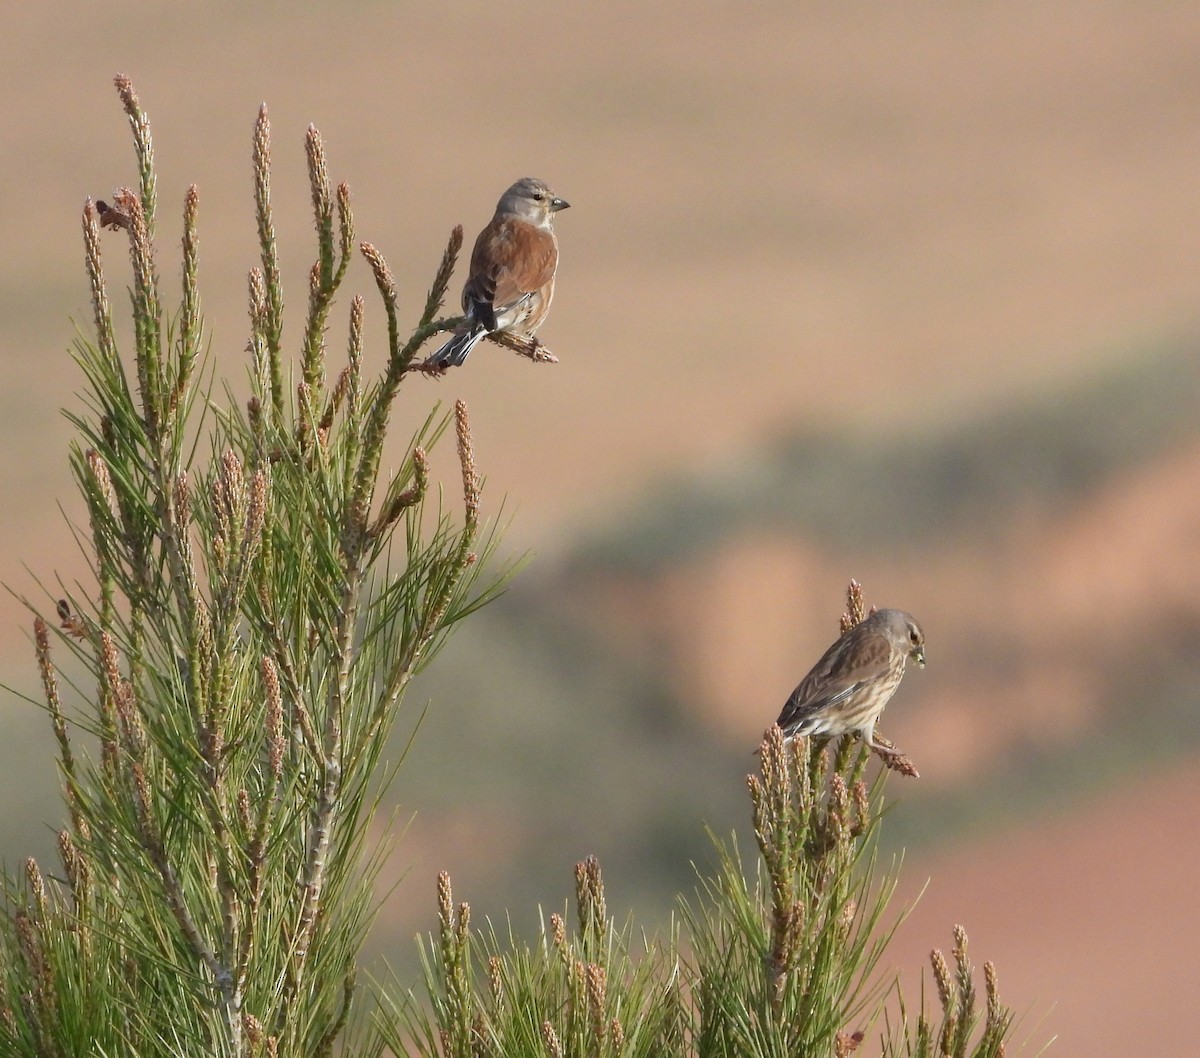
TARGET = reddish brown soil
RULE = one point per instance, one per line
(1089, 918)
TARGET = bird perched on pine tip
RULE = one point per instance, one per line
(847, 689)
(511, 282)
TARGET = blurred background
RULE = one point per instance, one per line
(905, 293)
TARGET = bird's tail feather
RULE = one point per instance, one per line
(455, 352)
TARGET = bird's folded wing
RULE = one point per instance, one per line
(511, 261)
(838, 674)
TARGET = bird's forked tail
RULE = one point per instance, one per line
(455, 352)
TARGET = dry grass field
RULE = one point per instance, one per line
(864, 217)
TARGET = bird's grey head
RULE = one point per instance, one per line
(904, 632)
(532, 200)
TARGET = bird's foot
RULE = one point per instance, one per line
(428, 368)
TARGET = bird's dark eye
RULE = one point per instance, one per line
(538, 196)
(916, 639)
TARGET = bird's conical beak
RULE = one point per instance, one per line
(559, 203)
(918, 656)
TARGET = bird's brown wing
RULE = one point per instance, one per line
(512, 259)
(852, 662)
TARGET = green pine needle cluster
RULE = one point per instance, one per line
(263, 596)
(780, 959)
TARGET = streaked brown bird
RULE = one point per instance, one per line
(511, 282)
(848, 688)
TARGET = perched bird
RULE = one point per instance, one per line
(512, 270)
(847, 689)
